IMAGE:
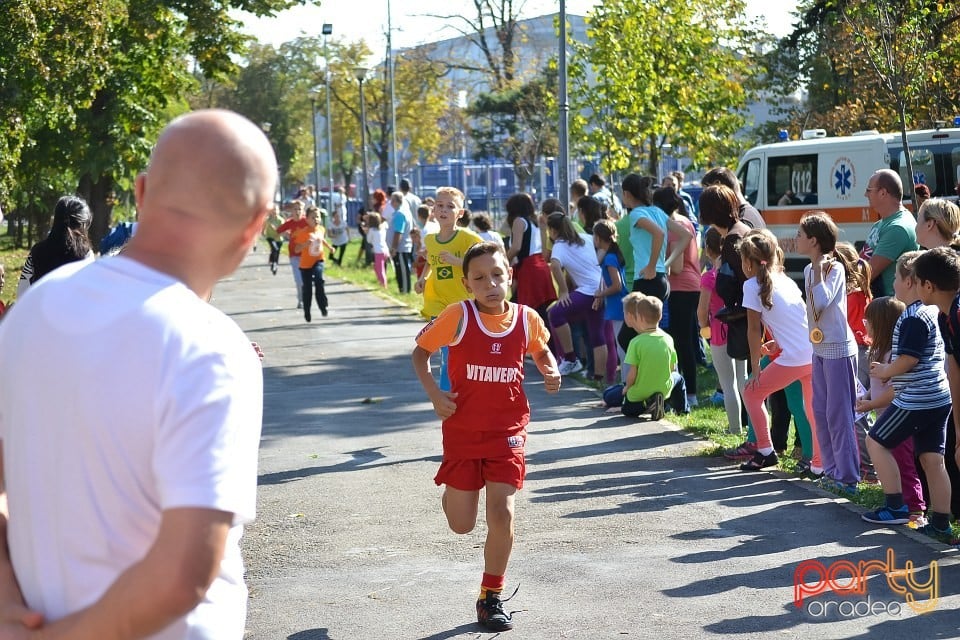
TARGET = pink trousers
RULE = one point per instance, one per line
(772, 378)
(380, 267)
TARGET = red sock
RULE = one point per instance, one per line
(490, 583)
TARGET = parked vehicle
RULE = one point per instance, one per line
(787, 179)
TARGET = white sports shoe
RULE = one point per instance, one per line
(566, 367)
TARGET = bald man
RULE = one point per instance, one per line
(131, 411)
(891, 236)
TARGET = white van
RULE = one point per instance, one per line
(785, 180)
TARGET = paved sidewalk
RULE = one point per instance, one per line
(622, 529)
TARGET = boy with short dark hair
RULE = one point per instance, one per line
(652, 359)
(938, 279)
(485, 413)
(921, 402)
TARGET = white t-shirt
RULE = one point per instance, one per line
(378, 239)
(580, 262)
(491, 236)
(787, 320)
(123, 395)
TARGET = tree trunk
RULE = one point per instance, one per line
(99, 195)
(902, 111)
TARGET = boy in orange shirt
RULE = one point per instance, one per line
(485, 413)
(309, 241)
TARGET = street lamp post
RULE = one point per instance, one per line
(393, 102)
(326, 31)
(361, 74)
(316, 156)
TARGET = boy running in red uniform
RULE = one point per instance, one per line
(485, 413)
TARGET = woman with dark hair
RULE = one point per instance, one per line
(684, 279)
(648, 237)
(530, 272)
(67, 242)
(591, 212)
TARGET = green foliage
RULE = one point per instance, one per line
(860, 58)
(86, 86)
(519, 124)
(662, 72)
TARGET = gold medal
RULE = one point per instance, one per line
(816, 336)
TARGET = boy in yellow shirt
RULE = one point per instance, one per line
(441, 282)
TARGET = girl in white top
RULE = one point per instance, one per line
(377, 238)
(773, 300)
(834, 350)
(574, 253)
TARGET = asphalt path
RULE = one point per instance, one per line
(623, 528)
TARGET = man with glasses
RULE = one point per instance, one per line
(891, 236)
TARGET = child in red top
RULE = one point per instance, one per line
(485, 413)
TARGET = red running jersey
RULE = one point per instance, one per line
(486, 371)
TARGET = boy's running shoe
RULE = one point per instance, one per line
(886, 515)
(717, 398)
(945, 536)
(744, 452)
(566, 367)
(491, 615)
(655, 406)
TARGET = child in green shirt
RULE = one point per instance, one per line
(652, 360)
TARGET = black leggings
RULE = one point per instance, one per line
(683, 326)
(657, 287)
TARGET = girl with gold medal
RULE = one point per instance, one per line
(834, 352)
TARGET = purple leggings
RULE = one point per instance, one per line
(580, 308)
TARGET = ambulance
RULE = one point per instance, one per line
(820, 173)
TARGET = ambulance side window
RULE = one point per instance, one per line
(953, 178)
(792, 180)
(924, 169)
(749, 177)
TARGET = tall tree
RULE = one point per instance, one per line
(138, 82)
(51, 57)
(493, 28)
(828, 58)
(660, 73)
(518, 124)
(902, 42)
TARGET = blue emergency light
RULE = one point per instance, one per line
(956, 121)
(783, 135)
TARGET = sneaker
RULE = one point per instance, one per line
(692, 400)
(944, 536)
(655, 406)
(760, 461)
(744, 452)
(490, 613)
(299, 305)
(917, 520)
(306, 315)
(717, 398)
(847, 489)
(886, 515)
(566, 367)
(805, 470)
(323, 312)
